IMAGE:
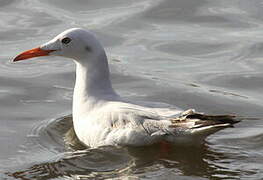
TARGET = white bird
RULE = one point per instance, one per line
(101, 117)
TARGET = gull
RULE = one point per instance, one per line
(101, 117)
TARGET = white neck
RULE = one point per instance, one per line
(93, 83)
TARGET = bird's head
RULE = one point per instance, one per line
(73, 43)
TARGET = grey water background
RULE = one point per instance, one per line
(201, 54)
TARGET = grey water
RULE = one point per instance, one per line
(201, 54)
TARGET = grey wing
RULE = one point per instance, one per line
(187, 123)
(158, 126)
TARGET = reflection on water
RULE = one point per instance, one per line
(200, 54)
(108, 162)
(102, 162)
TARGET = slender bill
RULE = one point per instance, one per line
(36, 52)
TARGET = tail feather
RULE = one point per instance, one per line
(191, 127)
(199, 122)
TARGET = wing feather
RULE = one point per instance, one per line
(156, 125)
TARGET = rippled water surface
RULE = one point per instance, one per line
(200, 54)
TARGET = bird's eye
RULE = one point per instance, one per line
(66, 40)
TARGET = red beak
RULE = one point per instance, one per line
(36, 52)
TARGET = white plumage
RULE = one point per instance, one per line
(101, 116)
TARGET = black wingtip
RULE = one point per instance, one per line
(224, 119)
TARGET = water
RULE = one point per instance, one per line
(200, 54)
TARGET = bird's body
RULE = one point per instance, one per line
(101, 116)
